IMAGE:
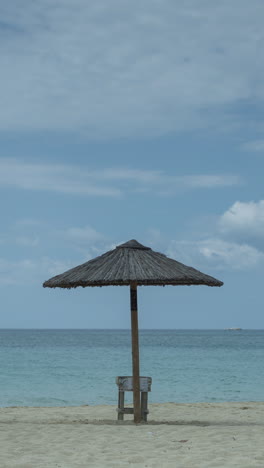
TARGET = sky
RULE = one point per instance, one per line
(128, 120)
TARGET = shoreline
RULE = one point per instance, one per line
(186, 435)
(204, 413)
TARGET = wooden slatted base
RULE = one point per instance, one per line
(126, 384)
(125, 411)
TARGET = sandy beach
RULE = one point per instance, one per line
(176, 435)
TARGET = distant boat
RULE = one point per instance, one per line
(236, 329)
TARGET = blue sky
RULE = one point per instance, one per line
(124, 120)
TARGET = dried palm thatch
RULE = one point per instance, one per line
(128, 263)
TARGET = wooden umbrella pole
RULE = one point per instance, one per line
(135, 352)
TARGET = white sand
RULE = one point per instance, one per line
(223, 435)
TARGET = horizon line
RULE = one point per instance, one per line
(129, 329)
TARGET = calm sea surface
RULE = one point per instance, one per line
(75, 367)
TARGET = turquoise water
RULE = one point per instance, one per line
(76, 367)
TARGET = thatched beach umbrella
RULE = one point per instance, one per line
(131, 264)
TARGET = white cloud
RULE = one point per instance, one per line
(125, 68)
(35, 270)
(53, 267)
(87, 241)
(52, 177)
(31, 223)
(172, 185)
(237, 256)
(85, 234)
(110, 182)
(21, 240)
(15, 272)
(29, 271)
(216, 253)
(244, 218)
(234, 240)
(255, 146)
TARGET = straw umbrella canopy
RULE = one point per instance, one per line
(131, 264)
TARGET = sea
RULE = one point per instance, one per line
(79, 367)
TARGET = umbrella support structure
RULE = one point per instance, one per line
(135, 352)
(132, 264)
